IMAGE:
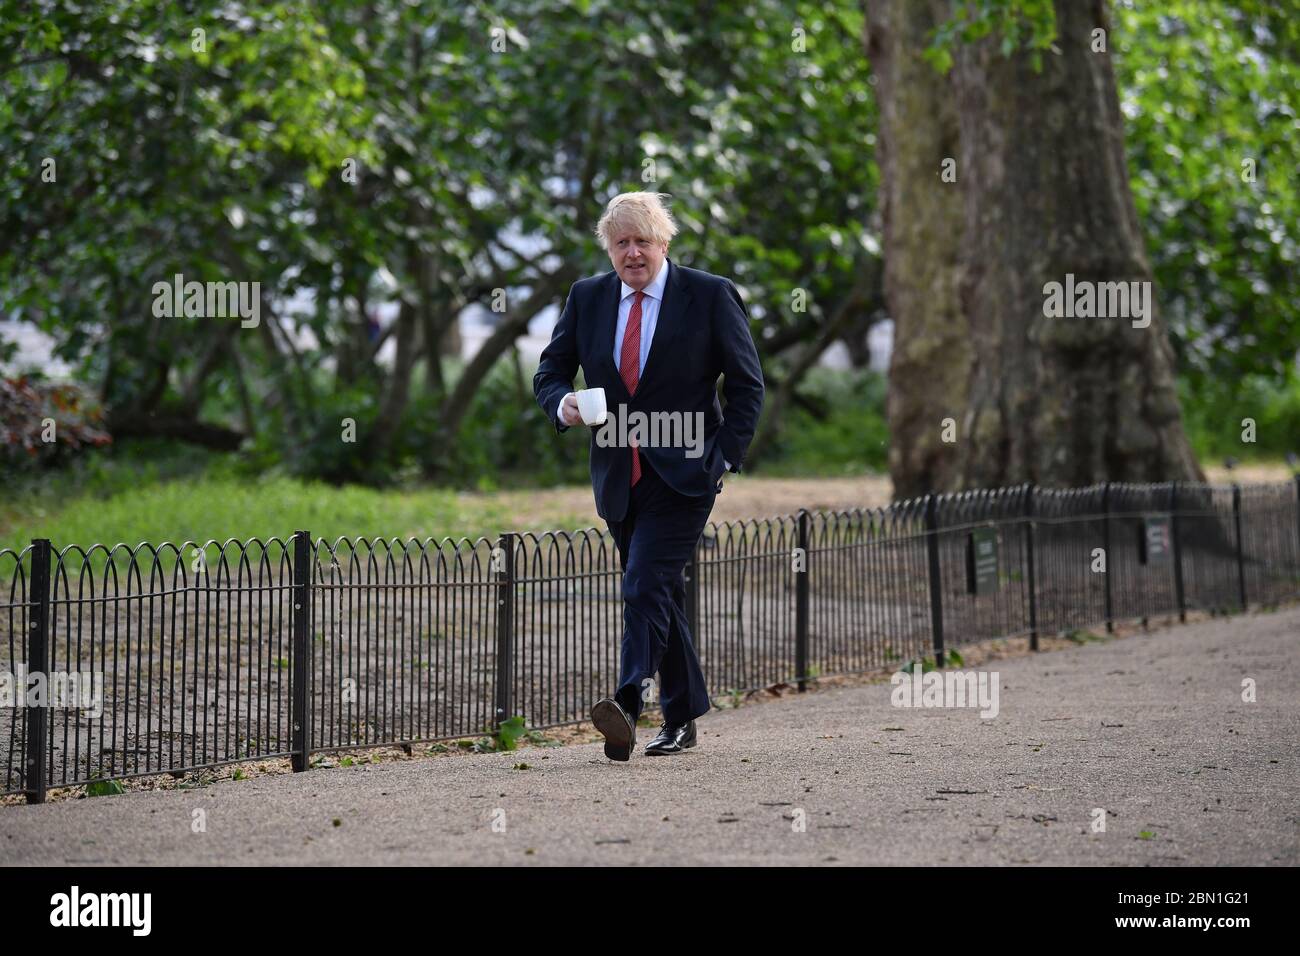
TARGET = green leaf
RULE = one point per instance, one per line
(104, 788)
(509, 732)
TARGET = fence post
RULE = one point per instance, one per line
(801, 606)
(38, 661)
(1241, 557)
(1297, 521)
(1110, 559)
(692, 574)
(1030, 566)
(936, 594)
(1177, 545)
(505, 567)
(301, 717)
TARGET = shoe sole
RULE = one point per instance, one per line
(609, 720)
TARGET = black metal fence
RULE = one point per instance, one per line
(220, 653)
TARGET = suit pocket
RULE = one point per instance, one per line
(717, 464)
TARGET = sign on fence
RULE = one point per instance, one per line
(982, 561)
(1154, 539)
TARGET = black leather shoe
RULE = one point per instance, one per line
(672, 739)
(617, 725)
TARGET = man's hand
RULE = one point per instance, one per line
(569, 413)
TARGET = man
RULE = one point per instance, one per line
(655, 336)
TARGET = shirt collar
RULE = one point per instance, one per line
(655, 289)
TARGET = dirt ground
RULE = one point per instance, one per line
(742, 497)
(984, 654)
(745, 496)
(1136, 751)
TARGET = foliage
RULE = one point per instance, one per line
(1211, 98)
(104, 788)
(1207, 87)
(1214, 415)
(167, 159)
(505, 737)
(838, 428)
(31, 412)
(1028, 25)
(484, 144)
(509, 732)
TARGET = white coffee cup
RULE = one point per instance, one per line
(591, 406)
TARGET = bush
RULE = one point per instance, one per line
(503, 438)
(44, 424)
(504, 435)
(1213, 414)
(848, 434)
(323, 454)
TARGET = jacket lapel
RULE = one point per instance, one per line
(607, 310)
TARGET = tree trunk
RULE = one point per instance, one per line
(503, 337)
(178, 427)
(353, 352)
(393, 404)
(929, 368)
(1061, 401)
(1044, 194)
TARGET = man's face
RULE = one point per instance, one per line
(636, 259)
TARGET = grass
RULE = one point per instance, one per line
(164, 491)
(218, 508)
(224, 508)
(161, 491)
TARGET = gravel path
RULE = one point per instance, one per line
(1152, 729)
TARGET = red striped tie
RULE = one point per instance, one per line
(629, 366)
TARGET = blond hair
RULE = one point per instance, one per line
(642, 213)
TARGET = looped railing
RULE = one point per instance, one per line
(178, 656)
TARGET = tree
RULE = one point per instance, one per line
(918, 144)
(147, 140)
(432, 154)
(1210, 92)
(1043, 182)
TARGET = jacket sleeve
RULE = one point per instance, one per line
(742, 385)
(559, 363)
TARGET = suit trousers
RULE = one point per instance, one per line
(655, 540)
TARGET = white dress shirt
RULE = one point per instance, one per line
(650, 302)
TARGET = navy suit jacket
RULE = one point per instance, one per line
(702, 333)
